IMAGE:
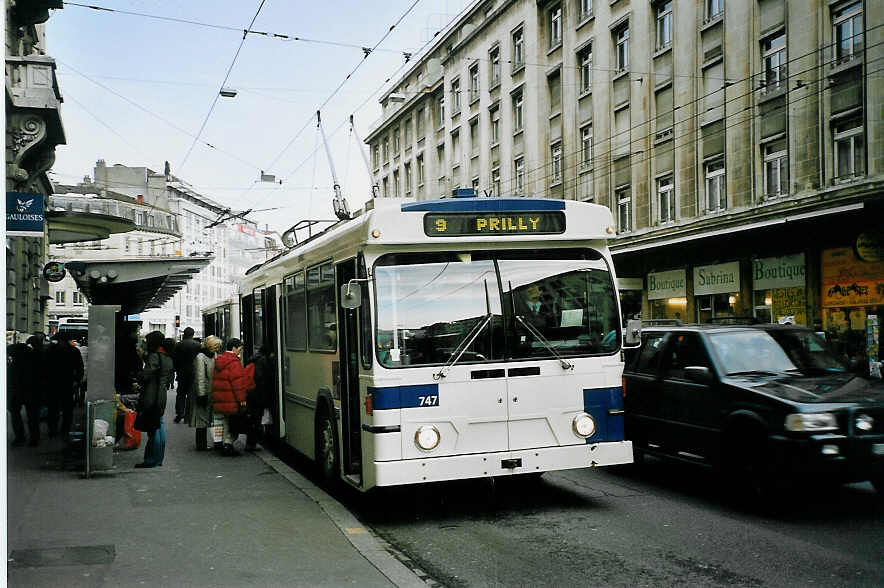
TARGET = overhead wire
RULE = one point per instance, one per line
(155, 115)
(280, 36)
(218, 94)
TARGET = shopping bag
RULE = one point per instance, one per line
(131, 436)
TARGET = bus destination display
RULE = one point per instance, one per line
(472, 224)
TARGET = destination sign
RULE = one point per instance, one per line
(494, 223)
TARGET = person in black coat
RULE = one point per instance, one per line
(21, 390)
(185, 352)
(65, 368)
(155, 377)
(259, 398)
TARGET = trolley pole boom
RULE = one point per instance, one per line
(339, 204)
(374, 187)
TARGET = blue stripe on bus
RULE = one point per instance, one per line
(484, 205)
(597, 402)
(393, 397)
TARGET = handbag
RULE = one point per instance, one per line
(143, 422)
(131, 436)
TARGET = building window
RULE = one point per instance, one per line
(386, 185)
(776, 168)
(475, 185)
(440, 157)
(621, 40)
(455, 96)
(666, 199)
(419, 124)
(59, 296)
(584, 9)
(396, 141)
(519, 175)
(420, 169)
(495, 125)
(407, 134)
(474, 136)
(714, 8)
(474, 82)
(586, 147)
(716, 195)
(555, 26)
(555, 158)
(407, 172)
(440, 111)
(495, 181)
(494, 70)
(517, 111)
(624, 210)
(375, 160)
(664, 24)
(774, 55)
(386, 150)
(554, 87)
(396, 191)
(847, 21)
(455, 147)
(518, 49)
(585, 59)
(584, 187)
(849, 149)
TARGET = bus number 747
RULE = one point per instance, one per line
(432, 400)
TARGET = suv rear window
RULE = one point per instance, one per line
(651, 350)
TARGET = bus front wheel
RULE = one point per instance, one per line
(327, 449)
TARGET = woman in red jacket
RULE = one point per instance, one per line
(231, 383)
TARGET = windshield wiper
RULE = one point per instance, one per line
(566, 365)
(462, 347)
(756, 372)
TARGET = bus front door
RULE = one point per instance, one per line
(348, 345)
(271, 342)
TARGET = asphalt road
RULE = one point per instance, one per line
(663, 525)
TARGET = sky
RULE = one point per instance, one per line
(137, 91)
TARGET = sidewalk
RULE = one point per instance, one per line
(199, 520)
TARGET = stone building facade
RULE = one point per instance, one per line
(738, 144)
(33, 129)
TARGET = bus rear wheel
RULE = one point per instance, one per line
(327, 450)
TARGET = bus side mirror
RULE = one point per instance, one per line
(632, 335)
(351, 295)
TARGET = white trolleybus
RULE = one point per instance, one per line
(437, 340)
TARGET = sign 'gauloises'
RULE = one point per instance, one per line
(24, 214)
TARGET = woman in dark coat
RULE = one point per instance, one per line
(155, 378)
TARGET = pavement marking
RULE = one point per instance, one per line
(364, 541)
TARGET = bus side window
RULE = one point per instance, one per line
(366, 335)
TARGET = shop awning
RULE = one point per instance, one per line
(134, 284)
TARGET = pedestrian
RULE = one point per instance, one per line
(185, 352)
(259, 398)
(231, 384)
(201, 391)
(65, 370)
(83, 346)
(21, 391)
(155, 376)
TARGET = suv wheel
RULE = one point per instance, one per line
(745, 461)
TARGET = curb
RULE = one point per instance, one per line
(365, 542)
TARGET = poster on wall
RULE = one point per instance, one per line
(849, 281)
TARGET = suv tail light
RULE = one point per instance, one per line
(623, 387)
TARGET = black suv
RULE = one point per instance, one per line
(763, 402)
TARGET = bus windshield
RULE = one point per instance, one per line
(430, 306)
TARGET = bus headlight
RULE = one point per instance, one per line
(427, 437)
(583, 425)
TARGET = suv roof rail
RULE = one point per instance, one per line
(662, 323)
(734, 320)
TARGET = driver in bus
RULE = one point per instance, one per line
(533, 310)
